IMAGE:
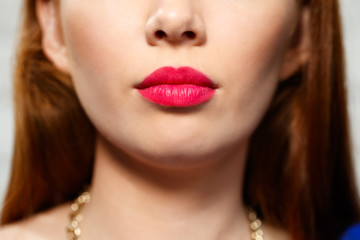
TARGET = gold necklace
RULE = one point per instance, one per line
(74, 230)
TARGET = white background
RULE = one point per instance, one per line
(9, 12)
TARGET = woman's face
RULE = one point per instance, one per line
(110, 46)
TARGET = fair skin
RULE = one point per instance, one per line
(160, 172)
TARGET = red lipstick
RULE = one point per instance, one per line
(181, 87)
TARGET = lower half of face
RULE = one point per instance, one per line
(110, 53)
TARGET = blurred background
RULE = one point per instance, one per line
(9, 12)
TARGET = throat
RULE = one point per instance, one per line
(203, 203)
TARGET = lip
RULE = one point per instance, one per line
(181, 87)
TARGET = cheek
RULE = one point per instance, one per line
(249, 43)
(254, 37)
(97, 35)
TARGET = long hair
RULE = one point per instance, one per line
(299, 173)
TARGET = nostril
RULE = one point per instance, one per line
(160, 34)
(189, 34)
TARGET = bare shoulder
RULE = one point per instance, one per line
(272, 233)
(47, 225)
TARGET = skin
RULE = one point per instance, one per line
(169, 173)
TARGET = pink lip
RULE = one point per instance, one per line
(182, 87)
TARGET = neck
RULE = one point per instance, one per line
(133, 201)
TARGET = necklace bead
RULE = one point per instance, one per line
(74, 231)
(73, 228)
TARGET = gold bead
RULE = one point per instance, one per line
(255, 236)
(77, 232)
(74, 207)
(259, 232)
(255, 224)
(73, 229)
(74, 224)
(79, 217)
(84, 198)
(252, 216)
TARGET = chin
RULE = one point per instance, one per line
(179, 155)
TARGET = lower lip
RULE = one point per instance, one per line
(181, 95)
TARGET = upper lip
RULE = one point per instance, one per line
(173, 76)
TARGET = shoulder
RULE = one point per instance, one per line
(47, 225)
(273, 233)
(16, 232)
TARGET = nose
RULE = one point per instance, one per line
(175, 22)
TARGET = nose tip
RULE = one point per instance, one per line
(175, 25)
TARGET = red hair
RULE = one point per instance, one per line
(299, 173)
